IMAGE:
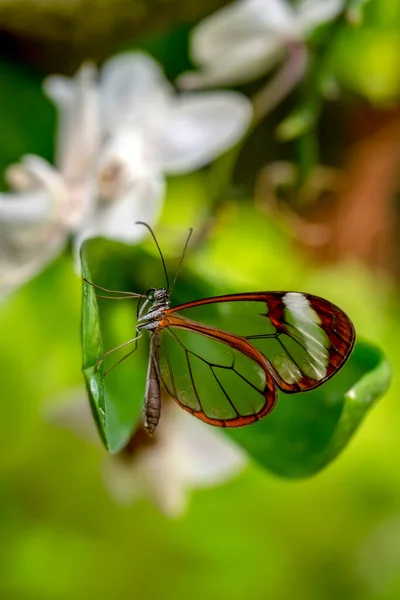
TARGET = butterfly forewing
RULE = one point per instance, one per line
(302, 339)
(217, 382)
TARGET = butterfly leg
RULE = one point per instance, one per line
(123, 294)
(135, 339)
(121, 359)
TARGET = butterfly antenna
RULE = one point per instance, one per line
(158, 247)
(182, 257)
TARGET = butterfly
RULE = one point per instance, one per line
(227, 375)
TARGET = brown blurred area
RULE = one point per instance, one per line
(348, 213)
(57, 36)
(363, 220)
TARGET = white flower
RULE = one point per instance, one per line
(183, 454)
(151, 132)
(30, 232)
(117, 140)
(49, 202)
(247, 38)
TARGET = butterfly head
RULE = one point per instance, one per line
(158, 296)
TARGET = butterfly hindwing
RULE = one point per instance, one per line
(220, 379)
(302, 339)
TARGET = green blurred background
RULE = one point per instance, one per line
(335, 535)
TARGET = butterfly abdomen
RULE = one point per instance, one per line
(152, 403)
(152, 414)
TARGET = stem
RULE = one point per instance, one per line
(280, 86)
(264, 102)
(307, 150)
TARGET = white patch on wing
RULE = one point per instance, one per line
(287, 369)
(308, 333)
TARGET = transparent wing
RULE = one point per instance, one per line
(224, 384)
(303, 339)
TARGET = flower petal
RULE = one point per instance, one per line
(185, 454)
(236, 65)
(311, 13)
(210, 458)
(71, 411)
(240, 42)
(28, 242)
(124, 160)
(198, 128)
(32, 223)
(40, 174)
(125, 481)
(34, 173)
(78, 128)
(141, 200)
(236, 24)
(133, 87)
(26, 207)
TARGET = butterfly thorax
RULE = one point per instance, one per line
(150, 316)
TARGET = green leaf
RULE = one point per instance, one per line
(307, 431)
(92, 350)
(117, 400)
(299, 122)
(365, 62)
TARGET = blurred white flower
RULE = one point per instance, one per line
(151, 132)
(182, 455)
(118, 137)
(46, 202)
(247, 38)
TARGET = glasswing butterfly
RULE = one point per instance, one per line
(228, 375)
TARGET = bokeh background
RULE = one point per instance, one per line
(308, 201)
